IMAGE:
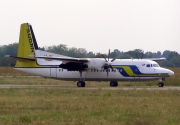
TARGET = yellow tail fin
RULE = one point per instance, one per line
(26, 47)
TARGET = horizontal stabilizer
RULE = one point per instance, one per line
(20, 58)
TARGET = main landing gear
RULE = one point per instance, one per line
(113, 83)
(161, 84)
(81, 84)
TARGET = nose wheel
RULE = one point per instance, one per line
(161, 84)
(81, 84)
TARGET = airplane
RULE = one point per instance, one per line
(32, 60)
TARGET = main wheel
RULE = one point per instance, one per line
(116, 84)
(80, 84)
(83, 84)
(113, 83)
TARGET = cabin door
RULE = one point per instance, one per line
(136, 73)
(53, 72)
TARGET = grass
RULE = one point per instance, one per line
(89, 107)
(9, 71)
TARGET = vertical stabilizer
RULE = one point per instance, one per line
(27, 41)
(27, 46)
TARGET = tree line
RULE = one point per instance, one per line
(172, 57)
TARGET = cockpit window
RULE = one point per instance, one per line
(155, 65)
(152, 65)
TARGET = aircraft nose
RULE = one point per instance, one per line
(171, 73)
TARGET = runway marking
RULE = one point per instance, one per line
(94, 87)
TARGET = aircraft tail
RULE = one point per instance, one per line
(26, 47)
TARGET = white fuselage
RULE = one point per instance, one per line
(123, 70)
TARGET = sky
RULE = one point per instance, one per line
(96, 25)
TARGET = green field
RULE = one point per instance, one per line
(80, 106)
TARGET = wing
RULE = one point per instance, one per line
(156, 59)
(65, 59)
(69, 63)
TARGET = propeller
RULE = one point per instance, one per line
(108, 63)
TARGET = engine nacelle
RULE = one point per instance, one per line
(96, 64)
(72, 66)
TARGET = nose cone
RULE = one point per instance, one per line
(171, 73)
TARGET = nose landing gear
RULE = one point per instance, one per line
(161, 84)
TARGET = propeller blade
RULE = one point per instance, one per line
(107, 70)
(105, 66)
(104, 58)
(111, 67)
(108, 54)
(113, 59)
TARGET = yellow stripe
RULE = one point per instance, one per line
(130, 73)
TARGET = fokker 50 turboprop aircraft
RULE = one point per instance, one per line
(32, 60)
